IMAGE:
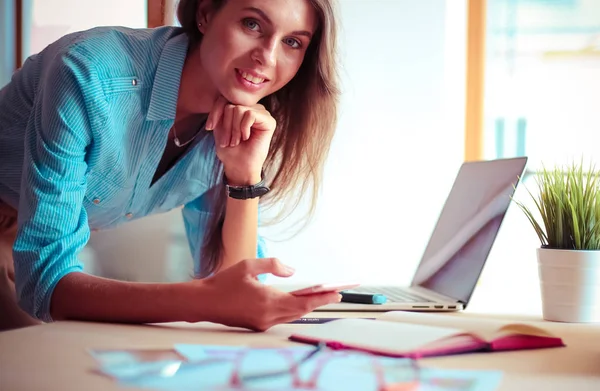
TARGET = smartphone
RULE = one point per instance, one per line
(322, 288)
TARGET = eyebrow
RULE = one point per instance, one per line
(262, 14)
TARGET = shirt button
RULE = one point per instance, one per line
(134, 82)
(129, 215)
(96, 201)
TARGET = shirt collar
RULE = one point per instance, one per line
(165, 89)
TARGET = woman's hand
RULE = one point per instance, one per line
(234, 297)
(242, 137)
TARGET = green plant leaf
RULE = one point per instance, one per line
(568, 204)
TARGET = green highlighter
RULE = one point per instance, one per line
(363, 298)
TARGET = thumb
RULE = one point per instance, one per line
(269, 265)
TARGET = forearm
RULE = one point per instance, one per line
(80, 296)
(240, 231)
(240, 228)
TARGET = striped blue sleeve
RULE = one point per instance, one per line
(196, 216)
(52, 224)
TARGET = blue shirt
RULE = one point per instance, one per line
(83, 126)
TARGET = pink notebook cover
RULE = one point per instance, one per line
(458, 344)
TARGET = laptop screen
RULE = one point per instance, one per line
(467, 227)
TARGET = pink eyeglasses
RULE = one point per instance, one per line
(387, 377)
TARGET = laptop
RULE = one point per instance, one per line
(459, 246)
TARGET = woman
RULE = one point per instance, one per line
(112, 124)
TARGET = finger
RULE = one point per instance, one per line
(236, 133)
(246, 125)
(267, 265)
(287, 307)
(260, 107)
(263, 121)
(294, 307)
(226, 123)
(306, 304)
(214, 117)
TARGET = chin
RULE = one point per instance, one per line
(241, 98)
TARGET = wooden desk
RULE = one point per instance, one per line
(54, 357)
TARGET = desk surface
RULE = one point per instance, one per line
(54, 356)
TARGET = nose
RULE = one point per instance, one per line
(266, 54)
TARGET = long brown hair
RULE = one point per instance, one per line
(306, 114)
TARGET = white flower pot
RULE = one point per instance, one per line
(570, 285)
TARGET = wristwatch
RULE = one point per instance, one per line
(247, 192)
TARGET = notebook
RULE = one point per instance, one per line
(411, 334)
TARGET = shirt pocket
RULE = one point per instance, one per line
(105, 201)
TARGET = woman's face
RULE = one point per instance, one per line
(252, 48)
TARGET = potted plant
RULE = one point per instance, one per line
(568, 226)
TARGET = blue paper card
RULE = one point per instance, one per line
(210, 367)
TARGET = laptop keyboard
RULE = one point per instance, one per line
(394, 293)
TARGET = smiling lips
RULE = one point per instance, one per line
(251, 79)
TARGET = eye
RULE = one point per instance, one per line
(251, 24)
(292, 42)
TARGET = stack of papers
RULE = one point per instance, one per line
(210, 367)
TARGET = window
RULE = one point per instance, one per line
(49, 20)
(542, 88)
(543, 79)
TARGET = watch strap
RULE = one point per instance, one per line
(247, 192)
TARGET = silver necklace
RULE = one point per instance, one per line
(178, 143)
